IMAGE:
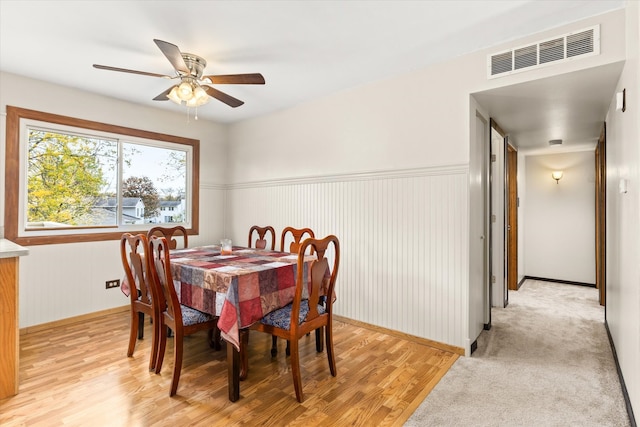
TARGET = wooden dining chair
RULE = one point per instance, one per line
(296, 235)
(134, 255)
(306, 313)
(181, 319)
(169, 233)
(261, 241)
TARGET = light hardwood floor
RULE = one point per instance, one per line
(79, 375)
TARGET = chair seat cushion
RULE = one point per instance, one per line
(191, 316)
(281, 318)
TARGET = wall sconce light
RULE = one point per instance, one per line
(557, 175)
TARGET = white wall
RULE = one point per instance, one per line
(623, 216)
(415, 122)
(560, 217)
(60, 281)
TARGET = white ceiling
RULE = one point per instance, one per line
(304, 49)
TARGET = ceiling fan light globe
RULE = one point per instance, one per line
(200, 94)
(200, 97)
(185, 91)
(173, 96)
(195, 102)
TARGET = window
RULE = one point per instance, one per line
(71, 180)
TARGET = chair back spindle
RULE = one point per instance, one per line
(322, 275)
(133, 249)
(297, 235)
(170, 234)
(161, 272)
(261, 241)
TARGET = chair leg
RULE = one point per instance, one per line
(177, 363)
(162, 345)
(153, 358)
(295, 370)
(319, 340)
(274, 347)
(330, 353)
(132, 333)
(140, 325)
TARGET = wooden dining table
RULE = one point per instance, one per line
(239, 288)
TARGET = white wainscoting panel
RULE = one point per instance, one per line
(68, 280)
(403, 237)
(62, 281)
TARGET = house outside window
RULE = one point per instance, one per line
(171, 211)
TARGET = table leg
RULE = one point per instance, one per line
(233, 370)
(244, 357)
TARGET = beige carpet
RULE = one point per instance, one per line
(545, 362)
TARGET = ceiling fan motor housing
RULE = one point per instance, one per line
(195, 64)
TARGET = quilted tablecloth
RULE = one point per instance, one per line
(240, 288)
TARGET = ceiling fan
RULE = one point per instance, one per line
(193, 89)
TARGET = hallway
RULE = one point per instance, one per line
(546, 361)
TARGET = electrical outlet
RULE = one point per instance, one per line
(112, 283)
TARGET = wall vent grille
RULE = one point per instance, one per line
(525, 57)
(501, 63)
(559, 49)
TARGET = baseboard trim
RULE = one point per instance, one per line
(419, 340)
(566, 282)
(521, 282)
(627, 401)
(75, 319)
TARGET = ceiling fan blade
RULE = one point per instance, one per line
(164, 95)
(221, 96)
(125, 70)
(237, 79)
(174, 56)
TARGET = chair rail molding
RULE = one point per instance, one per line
(356, 176)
